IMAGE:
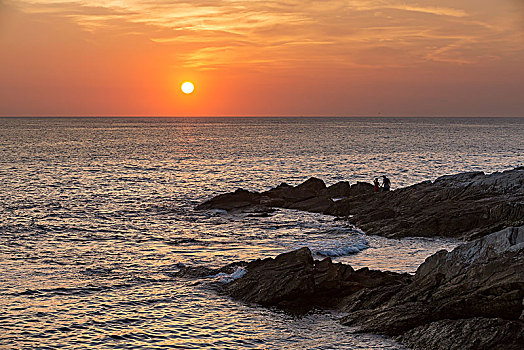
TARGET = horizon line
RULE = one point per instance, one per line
(261, 116)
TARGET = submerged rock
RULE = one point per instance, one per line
(478, 285)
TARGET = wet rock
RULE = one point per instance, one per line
(185, 271)
(369, 298)
(289, 195)
(361, 188)
(295, 280)
(483, 279)
(466, 334)
(284, 196)
(275, 281)
(313, 205)
(229, 201)
(259, 215)
(467, 205)
(313, 185)
(338, 190)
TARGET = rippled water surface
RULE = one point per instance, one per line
(95, 215)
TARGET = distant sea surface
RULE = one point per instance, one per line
(96, 214)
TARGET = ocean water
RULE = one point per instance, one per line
(97, 213)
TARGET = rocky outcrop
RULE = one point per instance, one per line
(311, 195)
(467, 205)
(185, 271)
(295, 281)
(230, 201)
(466, 334)
(469, 298)
(477, 287)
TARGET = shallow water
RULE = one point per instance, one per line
(95, 215)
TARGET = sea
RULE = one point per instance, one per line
(97, 216)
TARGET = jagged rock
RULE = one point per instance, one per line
(480, 279)
(289, 195)
(467, 205)
(505, 182)
(313, 205)
(361, 188)
(339, 190)
(204, 271)
(473, 295)
(308, 196)
(313, 185)
(228, 201)
(294, 280)
(466, 334)
(369, 298)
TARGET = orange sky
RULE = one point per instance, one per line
(289, 57)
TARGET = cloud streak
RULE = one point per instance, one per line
(209, 34)
(303, 56)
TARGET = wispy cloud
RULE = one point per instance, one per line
(210, 34)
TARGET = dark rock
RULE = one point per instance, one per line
(361, 188)
(204, 271)
(386, 213)
(313, 185)
(470, 298)
(259, 215)
(481, 279)
(467, 205)
(275, 281)
(339, 190)
(466, 334)
(272, 202)
(369, 298)
(294, 280)
(314, 205)
(287, 195)
(307, 196)
(228, 201)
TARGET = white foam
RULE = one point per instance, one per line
(227, 278)
(343, 250)
(218, 211)
(338, 247)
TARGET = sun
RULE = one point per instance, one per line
(187, 87)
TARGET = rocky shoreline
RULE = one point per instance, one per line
(469, 298)
(464, 206)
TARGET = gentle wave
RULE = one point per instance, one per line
(343, 250)
(338, 247)
(227, 278)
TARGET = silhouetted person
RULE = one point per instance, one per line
(377, 187)
(386, 184)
